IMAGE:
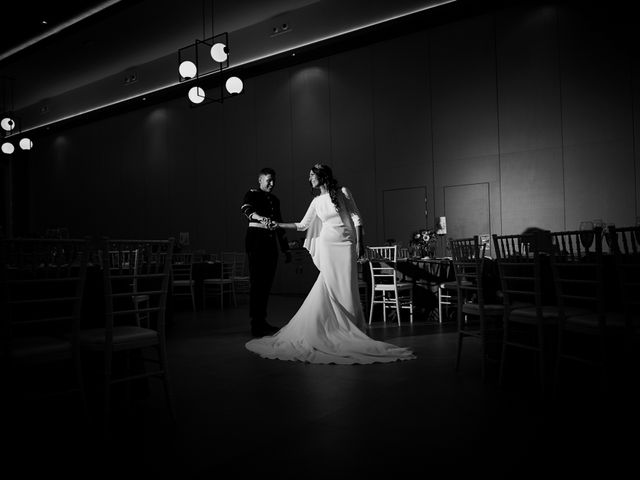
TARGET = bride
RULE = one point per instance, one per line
(327, 327)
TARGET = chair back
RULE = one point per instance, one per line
(578, 271)
(520, 270)
(626, 240)
(43, 283)
(148, 276)
(387, 252)
(512, 246)
(626, 248)
(382, 261)
(239, 260)
(576, 243)
(468, 261)
(181, 267)
(228, 267)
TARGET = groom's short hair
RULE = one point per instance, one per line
(267, 171)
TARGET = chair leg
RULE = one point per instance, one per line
(541, 359)
(384, 308)
(411, 306)
(503, 356)
(162, 352)
(483, 353)
(233, 292)
(459, 352)
(556, 369)
(80, 380)
(193, 299)
(397, 304)
(371, 307)
(107, 392)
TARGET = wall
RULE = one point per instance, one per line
(537, 103)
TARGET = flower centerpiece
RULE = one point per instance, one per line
(422, 243)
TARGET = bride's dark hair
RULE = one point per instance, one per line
(325, 177)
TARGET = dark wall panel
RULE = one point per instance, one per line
(465, 117)
(310, 130)
(463, 77)
(597, 121)
(273, 134)
(532, 190)
(156, 175)
(211, 150)
(402, 128)
(241, 161)
(531, 164)
(467, 210)
(184, 201)
(528, 80)
(599, 183)
(403, 213)
(352, 152)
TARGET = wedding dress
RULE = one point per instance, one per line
(326, 328)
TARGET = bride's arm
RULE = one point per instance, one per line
(291, 226)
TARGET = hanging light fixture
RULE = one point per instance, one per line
(9, 122)
(203, 58)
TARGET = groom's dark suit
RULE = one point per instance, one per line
(262, 249)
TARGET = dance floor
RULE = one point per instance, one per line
(244, 415)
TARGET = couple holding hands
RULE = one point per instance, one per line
(328, 326)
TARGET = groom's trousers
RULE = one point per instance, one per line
(262, 251)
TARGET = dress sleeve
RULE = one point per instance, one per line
(313, 225)
(308, 218)
(352, 208)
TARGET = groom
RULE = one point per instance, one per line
(262, 209)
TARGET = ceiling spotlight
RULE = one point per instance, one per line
(26, 144)
(233, 85)
(8, 148)
(196, 95)
(219, 52)
(7, 124)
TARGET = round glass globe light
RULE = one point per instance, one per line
(187, 69)
(234, 85)
(7, 124)
(196, 94)
(26, 144)
(8, 148)
(219, 52)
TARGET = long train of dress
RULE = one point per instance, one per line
(324, 329)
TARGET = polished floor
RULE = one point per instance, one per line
(244, 415)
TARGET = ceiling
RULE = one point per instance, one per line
(28, 25)
(84, 58)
